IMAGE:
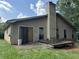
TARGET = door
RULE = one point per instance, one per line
(30, 34)
(24, 35)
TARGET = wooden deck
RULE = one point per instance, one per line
(64, 43)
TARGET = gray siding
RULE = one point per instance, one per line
(14, 34)
(61, 25)
(30, 23)
(13, 30)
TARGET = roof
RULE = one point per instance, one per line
(26, 19)
(35, 18)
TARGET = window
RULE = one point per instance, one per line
(65, 34)
(72, 34)
(41, 33)
(57, 33)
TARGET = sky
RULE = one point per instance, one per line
(12, 9)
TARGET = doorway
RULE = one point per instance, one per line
(26, 34)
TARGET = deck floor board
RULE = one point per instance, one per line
(63, 42)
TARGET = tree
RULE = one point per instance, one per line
(1, 28)
(70, 10)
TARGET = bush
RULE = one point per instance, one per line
(1, 35)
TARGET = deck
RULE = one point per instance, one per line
(71, 43)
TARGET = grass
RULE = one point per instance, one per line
(9, 52)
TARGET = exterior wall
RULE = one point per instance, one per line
(61, 25)
(36, 23)
(14, 34)
(7, 34)
(13, 30)
(10, 34)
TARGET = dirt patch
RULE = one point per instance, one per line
(74, 48)
(34, 46)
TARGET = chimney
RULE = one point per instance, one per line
(51, 21)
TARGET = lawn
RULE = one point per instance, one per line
(9, 52)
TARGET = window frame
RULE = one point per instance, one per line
(41, 36)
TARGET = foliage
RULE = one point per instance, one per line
(70, 10)
(1, 35)
(7, 51)
(2, 30)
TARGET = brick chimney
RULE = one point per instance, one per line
(51, 21)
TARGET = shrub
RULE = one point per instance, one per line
(1, 35)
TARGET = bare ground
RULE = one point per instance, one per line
(34, 46)
(45, 46)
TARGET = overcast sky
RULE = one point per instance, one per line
(10, 9)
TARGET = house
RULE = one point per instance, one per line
(51, 27)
